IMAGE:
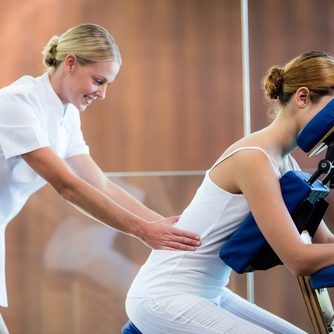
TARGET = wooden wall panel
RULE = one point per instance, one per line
(279, 31)
(175, 105)
(176, 77)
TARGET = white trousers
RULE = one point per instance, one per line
(188, 314)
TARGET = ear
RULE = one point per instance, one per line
(70, 62)
(302, 96)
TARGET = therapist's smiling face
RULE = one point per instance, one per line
(82, 84)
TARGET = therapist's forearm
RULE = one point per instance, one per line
(100, 207)
(129, 202)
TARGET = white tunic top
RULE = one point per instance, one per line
(31, 117)
(214, 214)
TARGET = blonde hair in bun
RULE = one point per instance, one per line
(90, 43)
(49, 52)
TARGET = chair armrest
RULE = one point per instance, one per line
(323, 278)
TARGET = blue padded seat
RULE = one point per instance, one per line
(130, 328)
(315, 135)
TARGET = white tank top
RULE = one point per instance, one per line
(214, 214)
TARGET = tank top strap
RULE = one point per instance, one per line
(247, 148)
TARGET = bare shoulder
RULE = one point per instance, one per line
(239, 164)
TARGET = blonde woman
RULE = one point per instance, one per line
(41, 142)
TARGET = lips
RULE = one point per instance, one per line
(88, 99)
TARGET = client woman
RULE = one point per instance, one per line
(185, 292)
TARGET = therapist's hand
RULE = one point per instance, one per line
(161, 234)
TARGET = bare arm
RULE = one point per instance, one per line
(86, 168)
(260, 185)
(323, 234)
(96, 203)
(263, 192)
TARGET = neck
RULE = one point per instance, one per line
(283, 132)
(56, 80)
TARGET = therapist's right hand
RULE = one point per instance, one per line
(162, 234)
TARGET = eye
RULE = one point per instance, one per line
(99, 82)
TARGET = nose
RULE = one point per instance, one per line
(101, 92)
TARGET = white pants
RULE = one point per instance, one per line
(188, 314)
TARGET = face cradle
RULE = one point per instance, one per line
(85, 83)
